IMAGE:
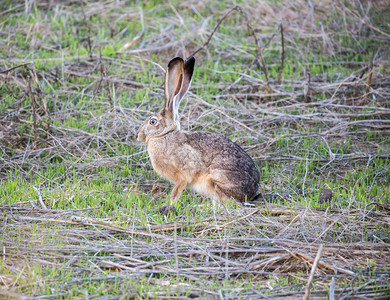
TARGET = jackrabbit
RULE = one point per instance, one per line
(205, 162)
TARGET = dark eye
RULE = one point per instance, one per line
(153, 121)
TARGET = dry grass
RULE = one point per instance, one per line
(251, 243)
(76, 83)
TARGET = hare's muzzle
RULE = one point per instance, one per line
(139, 135)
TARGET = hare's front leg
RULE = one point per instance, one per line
(180, 185)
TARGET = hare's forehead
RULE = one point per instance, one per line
(155, 116)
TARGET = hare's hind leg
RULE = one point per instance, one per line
(224, 185)
(222, 195)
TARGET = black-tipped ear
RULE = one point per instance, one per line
(189, 66)
(173, 81)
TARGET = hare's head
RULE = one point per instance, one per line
(177, 82)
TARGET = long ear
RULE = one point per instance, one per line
(188, 70)
(173, 82)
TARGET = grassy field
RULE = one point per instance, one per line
(79, 199)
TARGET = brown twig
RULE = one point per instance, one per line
(87, 28)
(308, 89)
(260, 52)
(214, 30)
(369, 79)
(103, 73)
(282, 58)
(13, 68)
(45, 108)
(32, 99)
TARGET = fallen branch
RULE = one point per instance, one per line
(313, 270)
(13, 68)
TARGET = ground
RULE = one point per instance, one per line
(302, 86)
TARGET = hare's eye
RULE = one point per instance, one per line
(153, 121)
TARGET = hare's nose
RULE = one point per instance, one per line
(140, 135)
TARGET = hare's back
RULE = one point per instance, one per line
(220, 153)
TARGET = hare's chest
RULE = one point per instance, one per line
(169, 157)
(162, 157)
(156, 151)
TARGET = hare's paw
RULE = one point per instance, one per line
(166, 210)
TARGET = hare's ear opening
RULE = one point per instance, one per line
(173, 81)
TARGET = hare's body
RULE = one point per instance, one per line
(191, 160)
(205, 162)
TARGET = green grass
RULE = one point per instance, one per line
(90, 165)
